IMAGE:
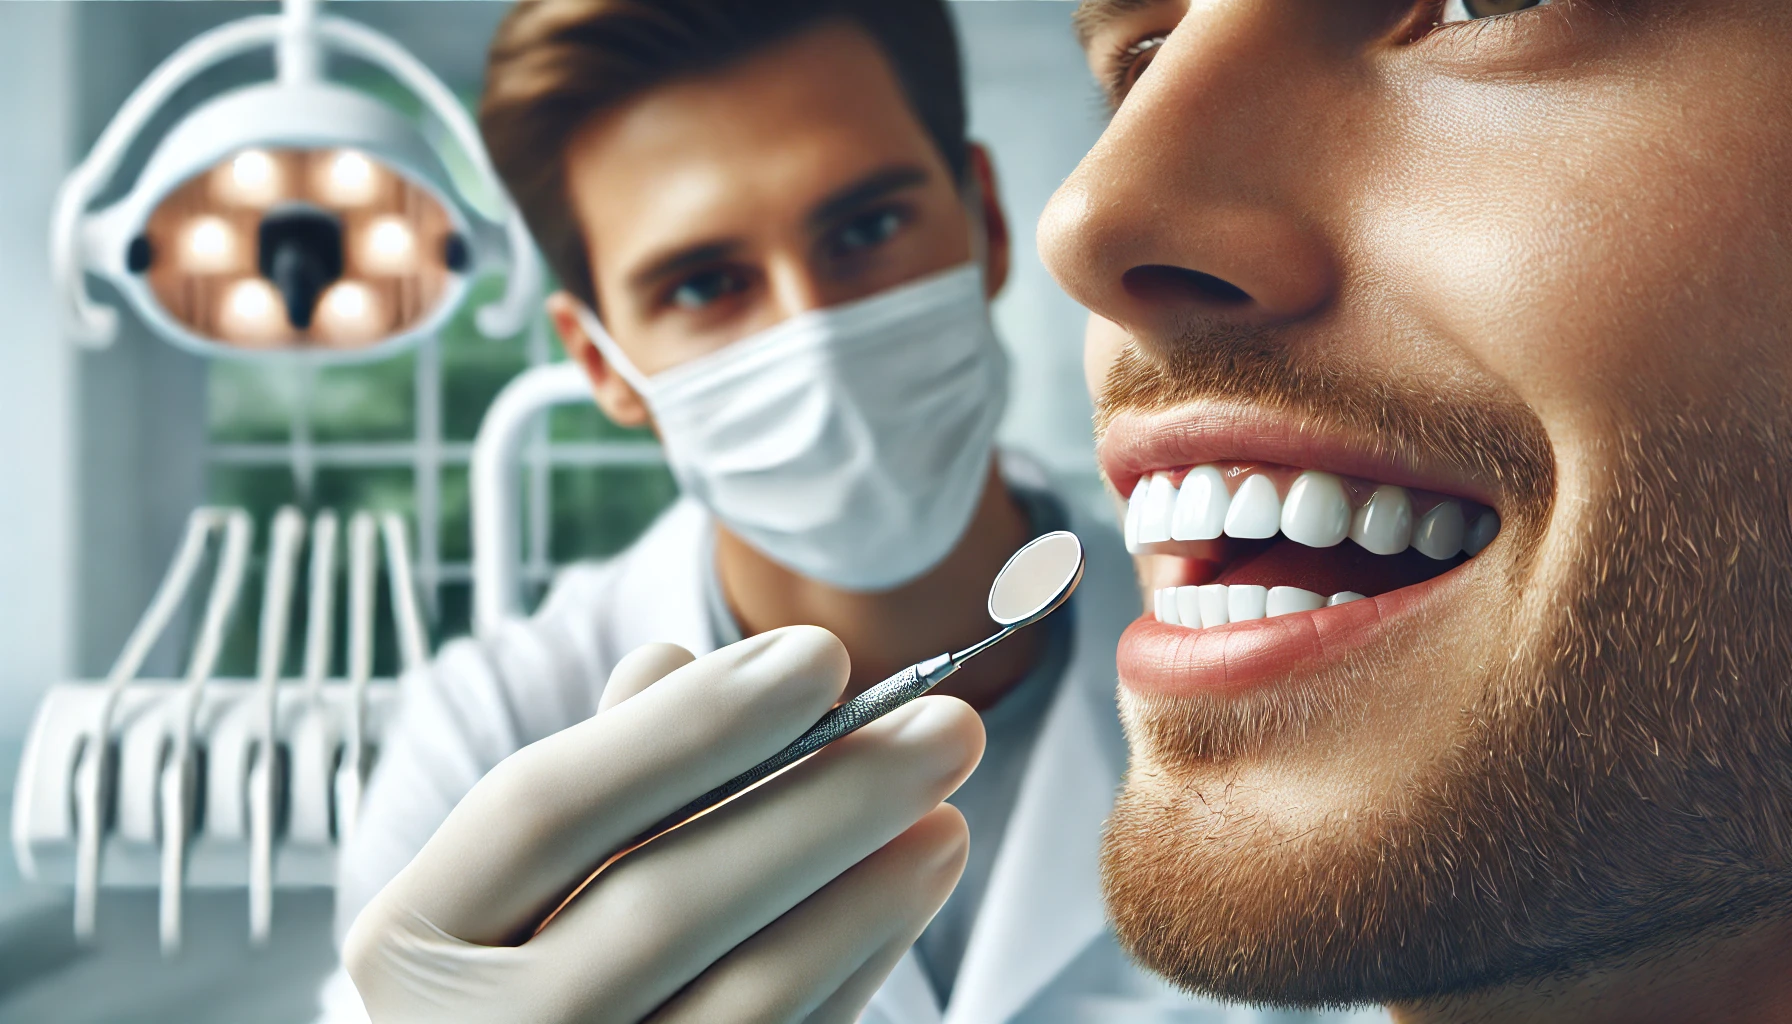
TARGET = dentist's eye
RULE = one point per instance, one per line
(705, 287)
(1476, 10)
(866, 231)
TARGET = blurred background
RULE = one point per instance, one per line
(105, 452)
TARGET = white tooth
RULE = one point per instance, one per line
(1154, 515)
(1201, 506)
(1214, 610)
(1344, 597)
(1439, 533)
(1256, 512)
(1157, 605)
(1244, 604)
(1166, 607)
(1188, 606)
(1288, 600)
(1384, 525)
(1317, 512)
(1482, 533)
(1134, 506)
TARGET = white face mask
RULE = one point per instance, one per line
(849, 444)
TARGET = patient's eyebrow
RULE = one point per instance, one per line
(1094, 15)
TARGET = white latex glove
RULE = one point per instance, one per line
(790, 904)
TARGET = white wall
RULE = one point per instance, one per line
(37, 513)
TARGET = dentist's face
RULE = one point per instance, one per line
(720, 205)
(1514, 279)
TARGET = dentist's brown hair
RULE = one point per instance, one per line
(556, 64)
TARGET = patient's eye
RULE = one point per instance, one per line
(866, 231)
(1129, 63)
(1475, 10)
(706, 286)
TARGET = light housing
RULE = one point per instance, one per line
(317, 194)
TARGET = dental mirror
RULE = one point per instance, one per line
(1038, 579)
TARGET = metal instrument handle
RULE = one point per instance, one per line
(843, 720)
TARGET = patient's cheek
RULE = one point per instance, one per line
(1579, 259)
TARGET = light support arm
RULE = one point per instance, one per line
(297, 58)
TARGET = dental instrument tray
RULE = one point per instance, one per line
(209, 783)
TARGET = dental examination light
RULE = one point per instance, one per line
(295, 216)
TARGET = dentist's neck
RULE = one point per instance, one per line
(942, 611)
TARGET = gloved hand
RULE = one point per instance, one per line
(792, 903)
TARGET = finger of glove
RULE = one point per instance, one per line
(661, 916)
(641, 668)
(537, 824)
(825, 958)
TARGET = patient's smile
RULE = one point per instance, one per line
(1243, 541)
(1265, 546)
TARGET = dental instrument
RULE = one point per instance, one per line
(1035, 582)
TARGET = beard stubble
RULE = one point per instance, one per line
(1620, 787)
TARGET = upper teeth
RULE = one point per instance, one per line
(1317, 512)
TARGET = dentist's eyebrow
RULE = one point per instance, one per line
(681, 261)
(863, 192)
(1092, 16)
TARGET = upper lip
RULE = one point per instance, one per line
(1135, 443)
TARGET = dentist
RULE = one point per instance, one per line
(777, 249)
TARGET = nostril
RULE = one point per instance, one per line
(1179, 284)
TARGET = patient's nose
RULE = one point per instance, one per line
(1204, 198)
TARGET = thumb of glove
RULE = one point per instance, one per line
(641, 668)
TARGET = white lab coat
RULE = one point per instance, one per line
(1039, 952)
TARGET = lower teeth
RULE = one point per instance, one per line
(1219, 605)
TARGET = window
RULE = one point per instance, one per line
(398, 435)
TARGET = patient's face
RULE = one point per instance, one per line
(1515, 280)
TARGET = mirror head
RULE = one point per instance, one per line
(1036, 580)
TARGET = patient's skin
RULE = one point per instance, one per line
(1541, 260)
(720, 205)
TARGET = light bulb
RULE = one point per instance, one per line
(350, 178)
(210, 246)
(390, 246)
(252, 178)
(348, 313)
(252, 313)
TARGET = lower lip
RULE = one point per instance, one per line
(1228, 661)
